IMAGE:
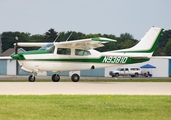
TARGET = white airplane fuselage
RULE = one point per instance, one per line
(52, 63)
(60, 63)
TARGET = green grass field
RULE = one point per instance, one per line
(85, 107)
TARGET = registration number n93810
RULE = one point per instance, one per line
(115, 59)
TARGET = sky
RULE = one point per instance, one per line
(87, 16)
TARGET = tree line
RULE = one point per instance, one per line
(125, 40)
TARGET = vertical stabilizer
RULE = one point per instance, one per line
(147, 44)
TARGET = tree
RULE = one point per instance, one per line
(8, 39)
(125, 40)
(167, 48)
(36, 38)
(164, 38)
(126, 36)
(50, 36)
(128, 43)
(160, 49)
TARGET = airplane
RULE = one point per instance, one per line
(80, 55)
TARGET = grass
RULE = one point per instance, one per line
(85, 107)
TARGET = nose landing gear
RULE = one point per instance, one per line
(31, 78)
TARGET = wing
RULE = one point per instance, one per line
(31, 44)
(87, 44)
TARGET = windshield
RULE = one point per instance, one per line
(48, 48)
(120, 69)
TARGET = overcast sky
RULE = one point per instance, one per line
(86, 16)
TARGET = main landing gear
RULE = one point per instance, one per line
(75, 78)
(55, 78)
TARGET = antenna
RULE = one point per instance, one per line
(68, 37)
(57, 37)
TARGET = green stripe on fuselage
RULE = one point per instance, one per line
(103, 59)
(20, 55)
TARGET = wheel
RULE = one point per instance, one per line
(55, 77)
(75, 77)
(31, 78)
(136, 75)
(113, 75)
(116, 74)
(132, 75)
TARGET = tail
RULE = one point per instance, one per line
(147, 44)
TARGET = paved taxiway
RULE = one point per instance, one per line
(101, 88)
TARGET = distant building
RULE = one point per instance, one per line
(0, 44)
(11, 51)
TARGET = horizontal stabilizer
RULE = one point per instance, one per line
(103, 40)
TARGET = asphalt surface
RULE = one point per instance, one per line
(85, 88)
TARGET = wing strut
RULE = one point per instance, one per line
(68, 37)
(57, 37)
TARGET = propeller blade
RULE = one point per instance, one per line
(16, 45)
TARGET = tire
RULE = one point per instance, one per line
(55, 78)
(116, 74)
(31, 78)
(75, 77)
(136, 75)
(113, 75)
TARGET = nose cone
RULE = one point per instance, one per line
(15, 56)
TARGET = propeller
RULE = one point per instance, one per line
(16, 51)
(16, 45)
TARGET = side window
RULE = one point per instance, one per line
(80, 52)
(126, 69)
(135, 69)
(64, 51)
(132, 68)
(122, 69)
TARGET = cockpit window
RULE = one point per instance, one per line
(48, 47)
(80, 52)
